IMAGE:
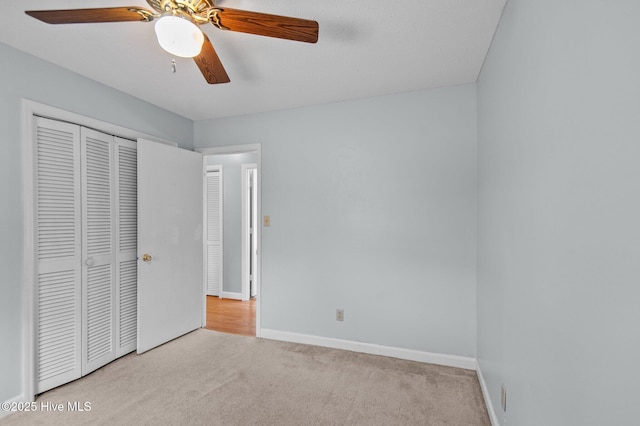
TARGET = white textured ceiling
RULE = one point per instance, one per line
(365, 48)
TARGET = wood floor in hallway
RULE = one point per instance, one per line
(231, 316)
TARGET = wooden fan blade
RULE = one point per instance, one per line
(210, 65)
(85, 16)
(267, 25)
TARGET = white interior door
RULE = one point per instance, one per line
(249, 233)
(170, 219)
(253, 289)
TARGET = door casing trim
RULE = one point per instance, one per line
(244, 169)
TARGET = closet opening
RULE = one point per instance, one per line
(80, 244)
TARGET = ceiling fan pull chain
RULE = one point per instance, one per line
(173, 66)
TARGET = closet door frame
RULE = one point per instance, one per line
(31, 110)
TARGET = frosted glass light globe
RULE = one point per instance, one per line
(179, 36)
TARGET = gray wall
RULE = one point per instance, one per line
(232, 233)
(24, 76)
(559, 213)
(373, 210)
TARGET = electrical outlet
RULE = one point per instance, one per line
(339, 314)
(503, 399)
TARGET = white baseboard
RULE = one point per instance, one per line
(373, 349)
(19, 398)
(231, 295)
(487, 400)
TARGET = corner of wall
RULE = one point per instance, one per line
(487, 397)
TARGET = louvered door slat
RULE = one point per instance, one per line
(214, 232)
(58, 255)
(214, 206)
(98, 249)
(214, 270)
(128, 302)
(99, 312)
(126, 245)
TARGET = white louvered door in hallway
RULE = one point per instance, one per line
(213, 222)
(85, 239)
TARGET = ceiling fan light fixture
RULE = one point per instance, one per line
(179, 36)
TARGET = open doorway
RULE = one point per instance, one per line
(233, 238)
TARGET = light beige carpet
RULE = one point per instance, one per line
(210, 378)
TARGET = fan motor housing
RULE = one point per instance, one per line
(189, 7)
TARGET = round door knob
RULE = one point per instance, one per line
(146, 257)
(90, 261)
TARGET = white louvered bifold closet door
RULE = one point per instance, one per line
(98, 249)
(126, 245)
(85, 212)
(214, 232)
(57, 243)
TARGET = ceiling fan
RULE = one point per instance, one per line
(177, 27)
